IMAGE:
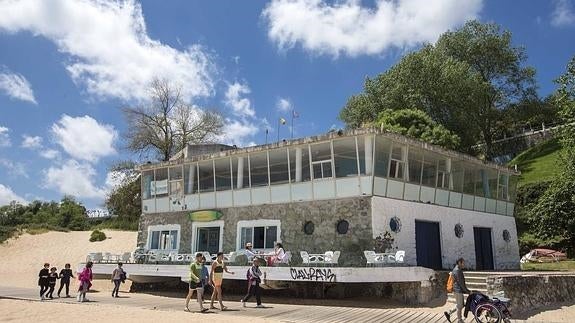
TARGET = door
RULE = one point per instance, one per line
(208, 239)
(483, 249)
(427, 244)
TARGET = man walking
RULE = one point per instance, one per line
(459, 288)
(254, 279)
(196, 283)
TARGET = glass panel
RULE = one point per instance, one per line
(456, 179)
(147, 179)
(397, 164)
(492, 177)
(175, 173)
(382, 147)
(174, 237)
(469, 178)
(502, 187)
(246, 236)
(443, 174)
(513, 188)
(397, 153)
(271, 236)
(429, 172)
(176, 188)
(481, 183)
(361, 154)
(191, 178)
(245, 182)
(305, 173)
(259, 169)
(317, 173)
(345, 157)
(164, 239)
(326, 168)
(160, 185)
(206, 176)
(320, 152)
(259, 238)
(223, 174)
(155, 240)
(414, 162)
(279, 166)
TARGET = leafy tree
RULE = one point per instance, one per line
(165, 124)
(417, 124)
(124, 200)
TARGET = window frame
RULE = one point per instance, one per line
(161, 228)
(256, 224)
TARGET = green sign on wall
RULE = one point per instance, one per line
(205, 216)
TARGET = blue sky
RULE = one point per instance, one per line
(67, 67)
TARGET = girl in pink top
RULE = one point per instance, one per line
(85, 278)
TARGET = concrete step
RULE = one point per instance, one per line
(471, 279)
(476, 286)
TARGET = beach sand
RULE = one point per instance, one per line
(21, 259)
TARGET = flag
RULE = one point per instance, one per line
(294, 114)
(282, 121)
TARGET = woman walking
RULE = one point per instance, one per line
(85, 278)
(65, 275)
(217, 276)
(43, 280)
(118, 276)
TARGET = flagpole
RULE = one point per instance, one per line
(267, 135)
(292, 113)
(279, 120)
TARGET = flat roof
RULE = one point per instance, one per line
(329, 136)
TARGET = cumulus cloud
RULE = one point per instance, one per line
(110, 52)
(7, 196)
(5, 137)
(240, 105)
(16, 86)
(239, 132)
(563, 13)
(84, 138)
(32, 142)
(346, 27)
(283, 105)
(50, 154)
(74, 178)
(14, 169)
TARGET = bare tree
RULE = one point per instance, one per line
(165, 124)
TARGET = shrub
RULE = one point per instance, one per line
(97, 235)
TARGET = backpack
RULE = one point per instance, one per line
(123, 276)
(450, 281)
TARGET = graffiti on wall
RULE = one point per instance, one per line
(313, 274)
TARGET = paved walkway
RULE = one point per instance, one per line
(272, 312)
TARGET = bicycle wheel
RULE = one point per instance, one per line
(487, 313)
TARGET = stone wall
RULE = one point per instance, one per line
(530, 292)
(324, 214)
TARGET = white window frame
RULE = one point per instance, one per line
(164, 227)
(256, 223)
(196, 225)
(321, 163)
(398, 162)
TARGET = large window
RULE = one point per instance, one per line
(163, 237)
(147, 179)
(279, 166)
(492, 178)
(223, 174)
(345, 157)
(456, 179)
(259, 169)
(397, 162)
(160, 184)
(444, 174)
(503, 186)
(293, 156)
(361, 155)
(240, 169)
(429, 171)
(414, 163)
(262, 234)
(206, 176)
(176, 181)
(321, 160)
(382, 147)
(512, 188)
(190, 179)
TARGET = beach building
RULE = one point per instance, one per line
(338, 191)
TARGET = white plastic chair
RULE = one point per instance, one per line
(126, 256)
(398, 258)
(232, 257)
(97, 257)
(107, 257)
(369, 256)
(304, 257)
(208, 256)
(335, 258)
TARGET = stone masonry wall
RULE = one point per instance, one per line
(530, 292)
(324, 214)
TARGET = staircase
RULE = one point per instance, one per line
(475, 280)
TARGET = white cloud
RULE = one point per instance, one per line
(32, 142)
(7, 196)
(50, 154)
(240, 106)
(284, 105)
(74, 178)
(5, 137)
(15, 169)
(110, 52)
(345, 27)
(16, 86)
(563, 14)
(239, 132)
(84, 138)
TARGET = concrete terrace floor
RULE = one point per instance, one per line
(272, 312)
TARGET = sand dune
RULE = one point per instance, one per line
(21, 258)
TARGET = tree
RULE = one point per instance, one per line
(124, 200)
(165, 124)
(417, 124)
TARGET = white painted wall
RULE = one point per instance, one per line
(505, 254)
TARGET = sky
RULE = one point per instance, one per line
(68, 67)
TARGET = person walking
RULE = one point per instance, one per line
(85, 278)
(52, 278)
(118, 276)
(196, 283)
(254, 275)
(217, 278)
(459, 288)
(65, 275)
(43, 280)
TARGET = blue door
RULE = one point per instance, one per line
(427, 244)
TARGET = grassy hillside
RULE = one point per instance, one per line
(538, 163)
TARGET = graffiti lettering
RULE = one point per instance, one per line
(313, 274)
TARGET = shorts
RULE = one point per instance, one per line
(194, 285)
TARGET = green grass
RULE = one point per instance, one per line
(567, 265)
(538, 163)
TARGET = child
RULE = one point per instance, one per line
(43, 280)
(85, 279)
(52, 277)
(118, 277)
(254, 279)
(65, 275)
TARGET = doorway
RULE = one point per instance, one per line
(208, 239)
(483, 249)
(428, 244)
